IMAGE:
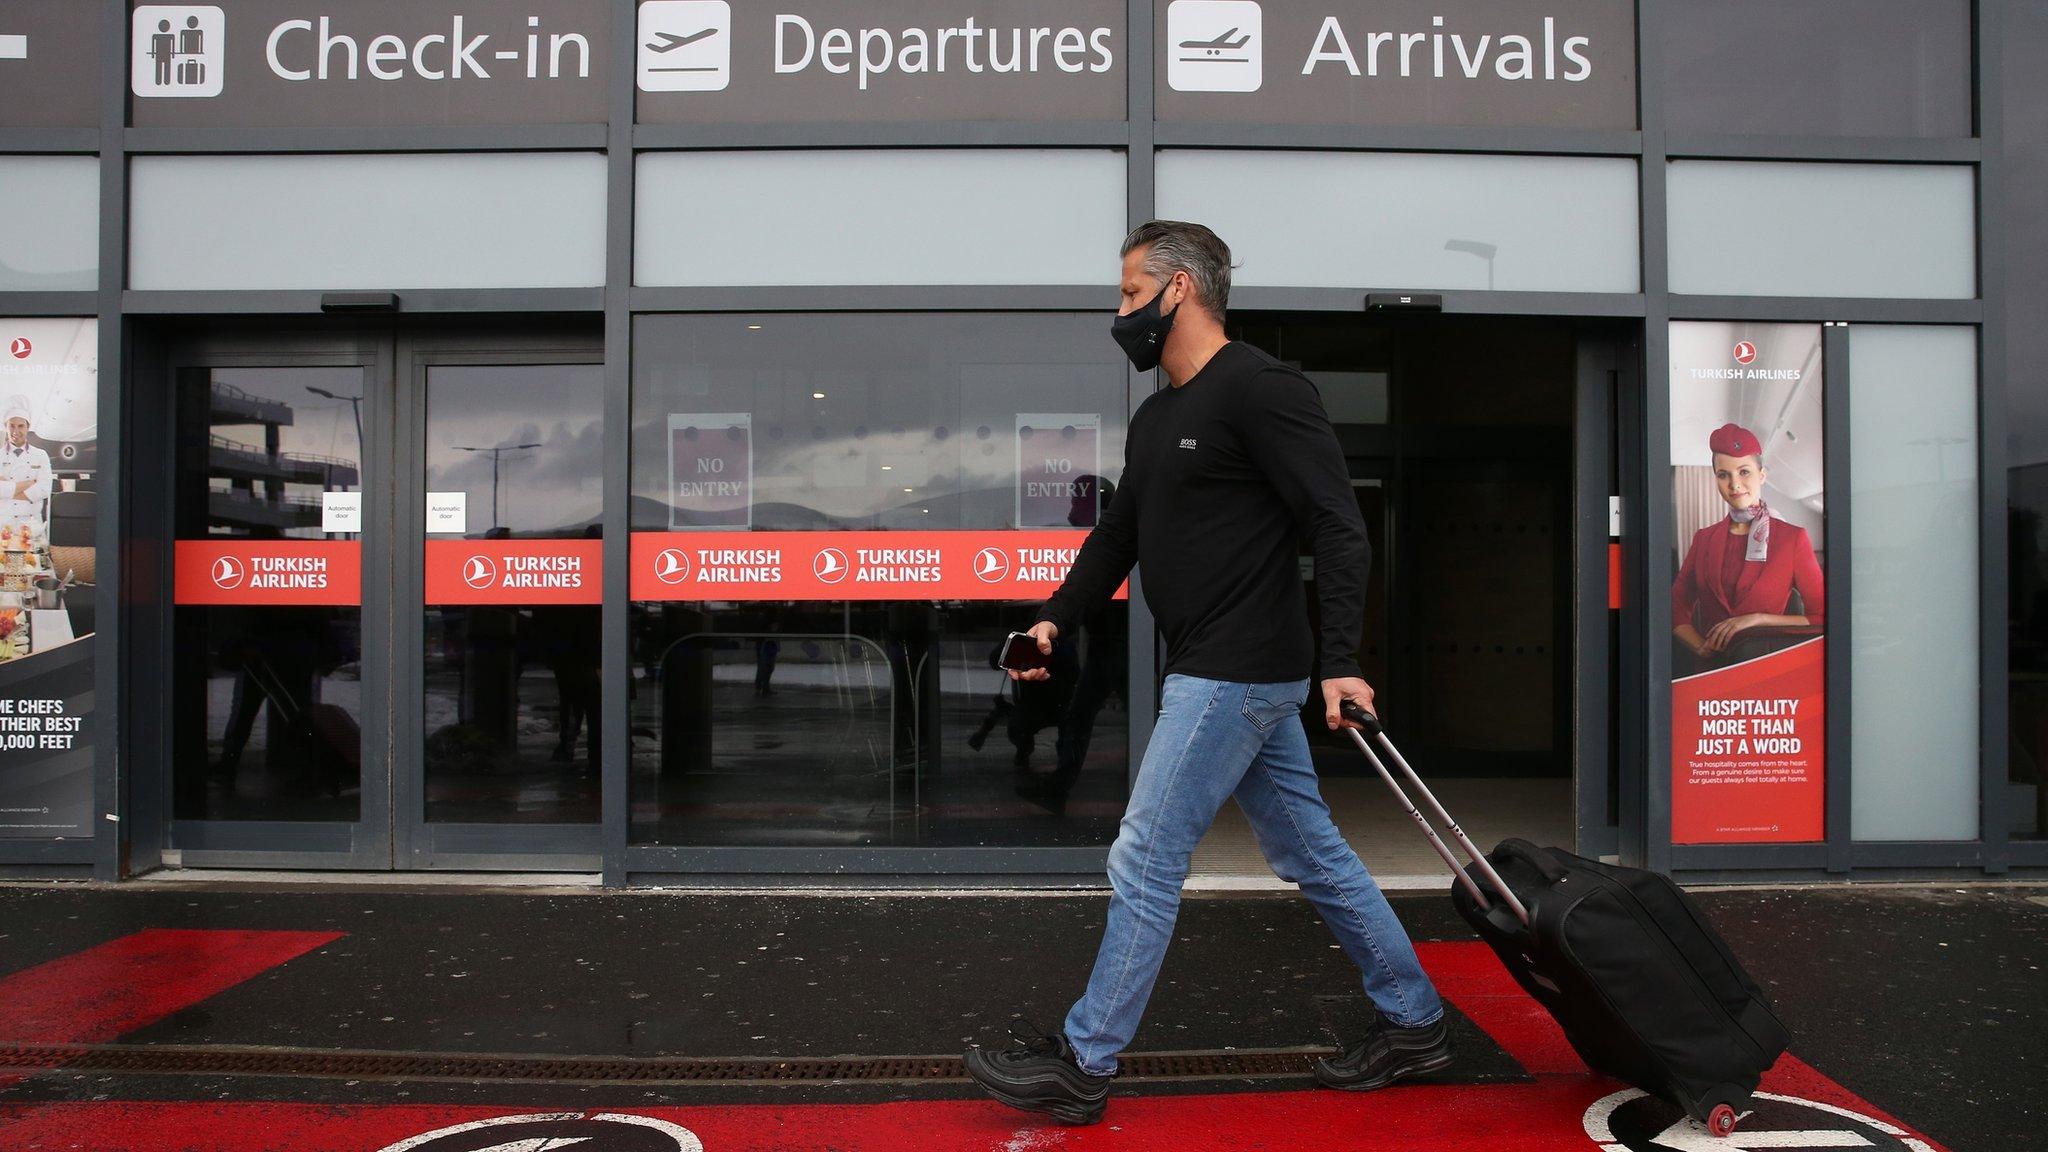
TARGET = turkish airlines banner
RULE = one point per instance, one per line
(515, 571)
(291, 573)
(1749, 601)
(967, 565)
(1749, 743)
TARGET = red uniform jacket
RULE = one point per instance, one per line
(1699, 597)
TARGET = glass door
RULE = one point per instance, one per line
(278, 666)
(502, 577)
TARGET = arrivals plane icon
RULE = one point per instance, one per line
(1217, 45)
(669, 41)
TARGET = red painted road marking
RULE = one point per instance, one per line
(1469, 976)
(1544, 1116)
(1547, 1116)
(97, 995)
(105, 992)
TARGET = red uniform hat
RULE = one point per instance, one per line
(1734, 440)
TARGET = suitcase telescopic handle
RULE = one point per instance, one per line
(1369, 722)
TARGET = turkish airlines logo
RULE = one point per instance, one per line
(1744, 352)
(478, 572)
(671, 566)
(227, 573)
(19, 347)
(991, 564)
(830, 565)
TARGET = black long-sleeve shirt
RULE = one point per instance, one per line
(1222, 476)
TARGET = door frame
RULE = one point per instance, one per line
(391, 831)
(366, 843)
(418, 844)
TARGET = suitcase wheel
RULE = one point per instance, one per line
(1721, 1121)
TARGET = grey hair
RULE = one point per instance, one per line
(1178, 246)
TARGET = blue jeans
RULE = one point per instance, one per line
(1214, 740)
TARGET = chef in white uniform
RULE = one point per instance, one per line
(25, 474)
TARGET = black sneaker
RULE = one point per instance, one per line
(1037, 1073)
(1387, 1053)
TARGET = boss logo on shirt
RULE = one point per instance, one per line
(1188, 442)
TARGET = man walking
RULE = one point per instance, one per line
(1223, 472)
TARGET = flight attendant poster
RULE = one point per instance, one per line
(1749, 605)
(49, 428)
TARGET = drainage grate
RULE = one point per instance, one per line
(202, 1061)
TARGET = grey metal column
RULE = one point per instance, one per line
(1837, 682)
(614, 774)
(1994, 699)
(1139, 193)
(110, 786)
(1648, 843)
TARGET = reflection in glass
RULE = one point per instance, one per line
(267, 701)
(2025, 43)
(863, 723)
(510, 693)
(871, 723)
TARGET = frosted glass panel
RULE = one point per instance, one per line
(996, 216)
(368, 222)
(1914, 560)
(1766, 229)
(49, 223)
(1394, 220)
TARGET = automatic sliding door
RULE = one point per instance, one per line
(269, 693)
(511, 463)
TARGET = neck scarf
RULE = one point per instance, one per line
(1758, 517)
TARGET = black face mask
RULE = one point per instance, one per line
(1142, 334)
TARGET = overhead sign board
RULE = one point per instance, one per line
(710, 61)
(283, 63)
(1487, 63)
(49, 65)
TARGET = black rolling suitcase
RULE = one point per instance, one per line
(1644, 988)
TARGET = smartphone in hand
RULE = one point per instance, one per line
(1021, 654)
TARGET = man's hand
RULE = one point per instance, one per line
(1045, 632)
(21, 488)
(1336, 692)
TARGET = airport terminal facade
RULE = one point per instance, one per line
(610, 437)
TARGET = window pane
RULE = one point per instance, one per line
(2026, 401)
(510, 697)
(50, 232)
(1390, 220)
(866, 722)
(1818, 67)
(1914, 563)
(1767, 229)
(267, 699)
(369, 222)
(880, 217)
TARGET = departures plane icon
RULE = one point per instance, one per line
(685, 46)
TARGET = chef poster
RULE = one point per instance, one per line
(1749, 604)
(49, 399)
